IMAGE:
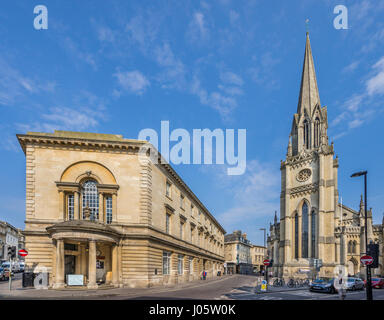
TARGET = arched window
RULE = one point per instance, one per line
(307, 134)
(296, 236)
(350, 247)
(304, 234)
(317, 132)
(313, 234)
(91, 199)
(354, 247)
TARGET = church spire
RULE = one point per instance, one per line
(309, 93)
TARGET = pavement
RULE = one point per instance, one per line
(18, 292)
(227, 287)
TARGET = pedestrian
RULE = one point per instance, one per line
(340, 284)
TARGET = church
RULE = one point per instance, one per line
(313, 223)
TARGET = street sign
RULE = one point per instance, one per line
(263, 286)
(366, 260)
(266, 262)
(23, 252)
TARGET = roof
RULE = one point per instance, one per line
(309, 92)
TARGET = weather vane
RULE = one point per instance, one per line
(307, 25)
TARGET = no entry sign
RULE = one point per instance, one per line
(23, 252)
(266, 262)
(366, 260)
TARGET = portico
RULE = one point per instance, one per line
(86, 248)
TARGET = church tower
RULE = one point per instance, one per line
(309, 191)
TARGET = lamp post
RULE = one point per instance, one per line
(368, 268)
(266, 267)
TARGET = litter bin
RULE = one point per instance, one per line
(28, 278)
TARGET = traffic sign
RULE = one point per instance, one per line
(23, 252)
(266, 262)
(366, 260)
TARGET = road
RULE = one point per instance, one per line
(234, 287)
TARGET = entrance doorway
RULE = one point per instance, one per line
(70, 266)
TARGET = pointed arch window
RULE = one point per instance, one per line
(313, 234)
(91, 199)
(354, 247)
(350, 247)
(304, 234)
(307, 134)
(296, 236)
(317, 132)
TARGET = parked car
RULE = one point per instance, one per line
(355, 284)
(322, 285)
(4, 274)
(377, 283)
(15, 266)
(22, 266)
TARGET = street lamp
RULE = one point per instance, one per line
(265, 230)
(369, 282)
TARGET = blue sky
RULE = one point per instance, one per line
(122, 66)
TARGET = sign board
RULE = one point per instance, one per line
(23, 252)
(266, 262)
(75, 279)
(225, 264)
(366, 260)
(263, 286)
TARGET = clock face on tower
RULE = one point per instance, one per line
(304, 175)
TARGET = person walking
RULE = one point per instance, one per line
(341, 285)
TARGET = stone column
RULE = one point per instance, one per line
(114, 207)
(61, 205)
(59, 277)
(76, 204)
(83, 261)
(92, 265)
(101, 207)
(115, 267)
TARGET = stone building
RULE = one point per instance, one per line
(313, 224)
(94, 209)
(9, 236)
(237, 255)
(258, 255)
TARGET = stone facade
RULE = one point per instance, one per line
(95, 208)
(258, 255)
(10, 236)
(313, 224)
(237, 254)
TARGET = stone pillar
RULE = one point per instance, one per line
(114, 207)
(92, 265)
(76, 204)
(61, 205)
(83, 261)
(101, 207)
(115, 267)
(59, 277)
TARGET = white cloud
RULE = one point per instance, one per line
(375, 85)
(355, 113)
(72, 48)
(223, 104)
(256, 194)
(231, 78)
(14, 84)
(197, 29)
(132, 81)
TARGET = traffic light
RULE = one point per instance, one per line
(270, 263)
(373, 251)
(9, 251)
(13, 252)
